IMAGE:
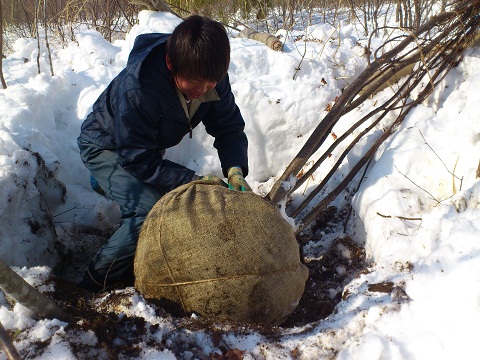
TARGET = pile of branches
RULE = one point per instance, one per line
(426, 55)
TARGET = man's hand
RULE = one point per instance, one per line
(236, 181)
(211, 178)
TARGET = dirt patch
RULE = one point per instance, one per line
(329, 274)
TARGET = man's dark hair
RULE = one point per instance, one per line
(199, 49)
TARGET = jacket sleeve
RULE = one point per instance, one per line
(135, 133)
(225, 122)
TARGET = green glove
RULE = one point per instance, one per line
(236, 181)
(211, 178)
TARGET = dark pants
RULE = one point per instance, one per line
(112, 266)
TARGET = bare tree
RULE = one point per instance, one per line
(438, 47)
(4, 84)
(47, 43)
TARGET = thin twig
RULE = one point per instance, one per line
(75, 206)
(418, 186)
(439, 158)
(400, 217)
(106, 275)
(299, 66)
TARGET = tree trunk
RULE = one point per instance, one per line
(399, 14)
(271, 41)
(418, 12)
(2, 79)
(47, 43)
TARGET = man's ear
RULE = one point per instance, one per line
(169, 64)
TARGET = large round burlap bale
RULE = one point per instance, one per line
(220, 253)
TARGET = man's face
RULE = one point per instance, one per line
(193, 89)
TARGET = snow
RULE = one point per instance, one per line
(417, 212)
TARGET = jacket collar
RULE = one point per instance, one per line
(192, 106)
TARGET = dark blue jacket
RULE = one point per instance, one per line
(139, 115)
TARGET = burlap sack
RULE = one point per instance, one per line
(220, 253)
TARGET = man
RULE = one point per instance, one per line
(171, 83)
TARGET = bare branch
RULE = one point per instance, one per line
(400, 217)
(439, 158)
(41, 305)
(418, 186)
(7, 345)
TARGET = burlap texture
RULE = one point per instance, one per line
(220, 253)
